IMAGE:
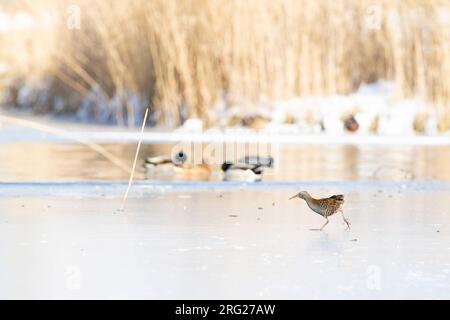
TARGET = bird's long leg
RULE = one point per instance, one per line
(345, 219)
(321, 228)
(324, 225)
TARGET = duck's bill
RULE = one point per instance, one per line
(294, 196)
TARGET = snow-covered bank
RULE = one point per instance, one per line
(11, 131)
(374, 110)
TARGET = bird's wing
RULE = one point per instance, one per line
(244, 166)
(338, 197)
(158, 160)
(257, 160)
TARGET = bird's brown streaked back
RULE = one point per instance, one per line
(325, 207)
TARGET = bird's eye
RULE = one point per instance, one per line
(180, 157)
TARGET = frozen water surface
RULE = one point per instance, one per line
(223, 240)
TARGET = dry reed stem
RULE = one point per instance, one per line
(125, 196)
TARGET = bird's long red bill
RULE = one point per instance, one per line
(294, 196)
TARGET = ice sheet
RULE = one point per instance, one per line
(215, 240)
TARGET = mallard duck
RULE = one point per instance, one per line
(246, 169)
(256, 122)
(241, 172)
(351, 124)
(186, 170)
(180, 166)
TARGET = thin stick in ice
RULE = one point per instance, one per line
(125, 196)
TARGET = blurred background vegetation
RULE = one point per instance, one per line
(181, 57)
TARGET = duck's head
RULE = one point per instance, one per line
(226, 166)
(180, 157)
(302, 195)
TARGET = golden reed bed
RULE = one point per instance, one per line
(185, 55)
